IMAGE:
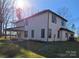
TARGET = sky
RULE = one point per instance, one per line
(55, 5)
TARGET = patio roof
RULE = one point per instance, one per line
(65, 29)
(15, 29)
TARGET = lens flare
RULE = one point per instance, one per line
(22, 4)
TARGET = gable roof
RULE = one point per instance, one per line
(41, 12)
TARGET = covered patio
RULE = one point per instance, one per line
(16, 32)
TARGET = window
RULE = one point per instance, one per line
(50, 33)
(32, 33)
(54, 19)
(26, 22)
(63, 23)
(66, 35)
(19, 34)
(54, 36)
(26, 34)
(42, 33)
(58, 34)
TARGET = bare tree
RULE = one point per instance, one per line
(6, 12)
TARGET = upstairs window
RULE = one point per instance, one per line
(63, 23)
(54, 19)
(66, 35)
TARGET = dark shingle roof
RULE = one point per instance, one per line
(65, 29)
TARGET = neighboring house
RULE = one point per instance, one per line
(44, 26)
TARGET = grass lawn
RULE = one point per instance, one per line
(14, 51)
(54, 49)
(31, 49)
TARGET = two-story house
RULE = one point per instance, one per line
(44, 26)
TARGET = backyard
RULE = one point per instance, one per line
(11, 50)
(36, 49)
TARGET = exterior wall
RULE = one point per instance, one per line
(19, 24)
(39, 22)
(52, 26)
(55, 27)
(35, 23)
(64, 38)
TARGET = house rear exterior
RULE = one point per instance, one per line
(44, 26)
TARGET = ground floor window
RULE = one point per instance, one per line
(58, 34)
(42, 33)
(32, 33)
(66, 35)
(19, 34)
(25, 33)
(54, 36)
(50, 33)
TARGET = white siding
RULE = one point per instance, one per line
(52, 26)
(39, 22)
(36, 23)
(55, 27)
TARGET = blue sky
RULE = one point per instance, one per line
(54, 5)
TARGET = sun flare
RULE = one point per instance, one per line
(22, 4)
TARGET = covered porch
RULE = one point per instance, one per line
(66, 33)
(15, 33)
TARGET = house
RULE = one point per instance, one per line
(43, 26)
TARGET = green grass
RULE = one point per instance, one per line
(13, 50)
(28, 54)
(7, 38)
(30, 49)
(57, 49)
